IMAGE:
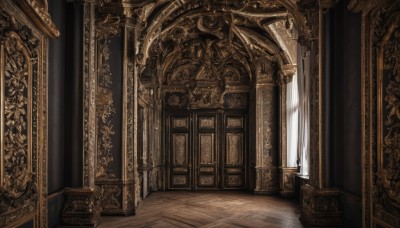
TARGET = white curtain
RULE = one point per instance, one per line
(292, 111)
(303, 81)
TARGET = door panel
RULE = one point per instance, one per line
(206, 150)
(179, 152)
(234, 151)
(205, 153)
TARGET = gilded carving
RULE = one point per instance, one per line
(130, 104)
(89, 94)
(107, 27)
(389, 128)
(110, 197)
(381, 120)
(16, 170)
(23, 163)
(37, 10)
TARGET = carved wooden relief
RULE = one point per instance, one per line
(23, 107)
(180, 123)
(236, 100)
(180, 148)
(206, 181)
(175, 100)
(234, 151)
(106, 27)
(179, 180)
(382, 116)
(206, 122)
(234, 122)
(389, 113)
(16, 81)
(111, 197)
(206, 147)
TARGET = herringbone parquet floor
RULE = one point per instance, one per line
(210, 209)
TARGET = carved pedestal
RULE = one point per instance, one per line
(286, 181)
(81, 207)
(321, 208)
(266, 180)
(116, 197)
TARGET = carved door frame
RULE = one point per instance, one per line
(380, 31)
(191, 130)
(26, 28)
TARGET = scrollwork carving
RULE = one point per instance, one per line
(389, 127)
(110, 197)
(106, 27)
(19, 182)
(17, 114)
(236, 100)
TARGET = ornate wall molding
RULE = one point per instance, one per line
(380, 120)
(37, 11)
(106, 27)
(23, 148)
(89, 95)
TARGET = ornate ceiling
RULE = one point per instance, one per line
(190, 36)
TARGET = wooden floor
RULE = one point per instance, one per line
(210, 209)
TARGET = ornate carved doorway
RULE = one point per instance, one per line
(217, 76)
(206, 149)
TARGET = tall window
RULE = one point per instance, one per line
(292, 117)
(298, 119)
(303, 81)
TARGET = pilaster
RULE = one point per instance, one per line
(321, 206)
(265, 126)
(81, 206)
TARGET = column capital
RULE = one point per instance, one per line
(286, 73)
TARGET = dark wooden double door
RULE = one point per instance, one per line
(206, 150)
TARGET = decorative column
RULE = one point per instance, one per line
(321, 206)
(286, 174)
(116, 168)
(128, 181)
(266, 127)
(81, 206)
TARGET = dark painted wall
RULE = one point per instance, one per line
(345, 112)
(56, 100)
(73, 94)
(116, 56)
(56, 113)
